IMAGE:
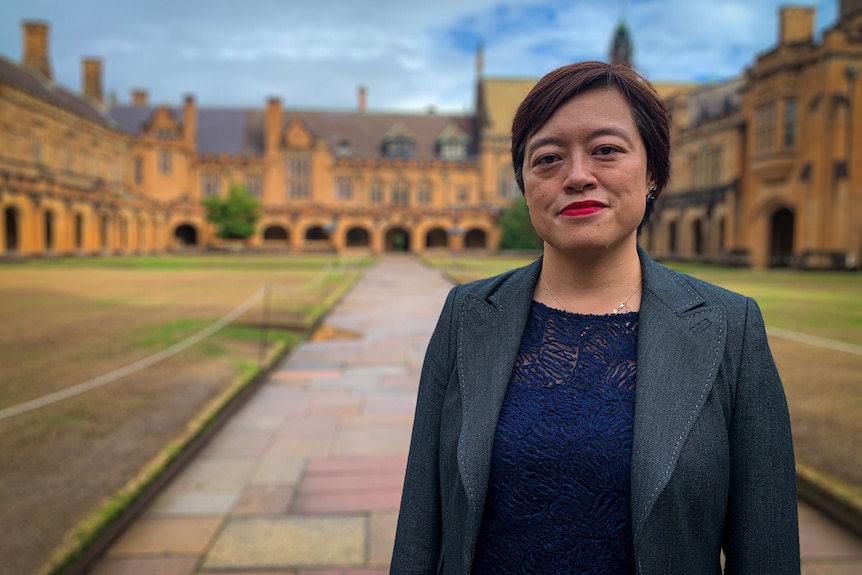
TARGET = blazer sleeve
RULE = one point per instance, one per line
(418, 534)
(761, 529)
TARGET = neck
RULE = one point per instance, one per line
(594, 283)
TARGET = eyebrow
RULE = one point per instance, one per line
(597, 133)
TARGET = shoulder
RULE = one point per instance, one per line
(681, 290)
(500, 288)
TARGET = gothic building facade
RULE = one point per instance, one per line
(766, 167)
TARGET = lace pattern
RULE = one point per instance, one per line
(559, 489)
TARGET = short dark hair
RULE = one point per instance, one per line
(561, 85)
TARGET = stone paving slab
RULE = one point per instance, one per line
(287, 542)
(166, 536)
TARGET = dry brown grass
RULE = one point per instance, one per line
(62, 326)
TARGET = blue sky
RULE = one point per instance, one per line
(409, 55)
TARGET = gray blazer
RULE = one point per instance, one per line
(712, 459)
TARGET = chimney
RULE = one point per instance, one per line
(274, 125)
(92, 72)
(139, 97)
(190, 120)
(362, 94)
(797, 24)
(36, 47)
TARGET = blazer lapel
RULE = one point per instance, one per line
(489, 335)
(680, 344)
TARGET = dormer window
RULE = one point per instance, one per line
(343, 149)
(453, 143)
(399, 142)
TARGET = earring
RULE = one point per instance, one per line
(651, 197)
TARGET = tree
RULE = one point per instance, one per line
(234, 216)
(518, 232)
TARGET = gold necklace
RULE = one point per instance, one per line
(616, 310)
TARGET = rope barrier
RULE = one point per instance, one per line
(141, 364)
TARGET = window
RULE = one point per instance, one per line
(453, 150)
(211, 185)
(343, 148)
(424, 195)
(789, 124)
(401, 193)
(507, 187)
(463, 195)
(343, 188)
(375, 194)
(37, 151)
(165, 161)
(139, 169)
(298, 171)
(764, 128)
(715, 164)
(254, 184)
(400, 147)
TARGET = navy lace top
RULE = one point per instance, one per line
(559, 490)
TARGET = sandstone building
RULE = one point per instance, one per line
(767, 167)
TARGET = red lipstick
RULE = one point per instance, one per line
(585, 208)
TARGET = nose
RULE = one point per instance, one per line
(579, 176)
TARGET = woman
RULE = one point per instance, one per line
(595, 412)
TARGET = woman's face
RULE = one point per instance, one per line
(585, 175)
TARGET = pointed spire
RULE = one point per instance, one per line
(622, 47)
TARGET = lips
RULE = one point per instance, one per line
(584, 208)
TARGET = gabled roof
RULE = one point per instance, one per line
(366, 132)
(453, 132)
(39, 86)
(229, 131)
(240, 131)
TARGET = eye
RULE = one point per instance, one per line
(606, 150)
(547, 159)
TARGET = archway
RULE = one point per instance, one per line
(11, 219)
(697, 236)
(671, 237)
(436, 238)
(397, 240)
(316, 233)
(781, 238)
(474, 239)
(358, 238)
(275, 233)
(79, 231)
(49, 230)
(103, 232)
(186, 235)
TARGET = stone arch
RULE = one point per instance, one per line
(104, 232)
(49, 229)
(436, 238)
(672, 238)
(397, 239)
(275, 233)
(12, 222)
(186, 235)
(475, 238)
(316, 233)
(78, 231)
(358, 237)
(781, 227)
(697, 236)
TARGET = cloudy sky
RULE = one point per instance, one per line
(409, 54)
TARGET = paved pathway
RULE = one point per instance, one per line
(306, 478)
